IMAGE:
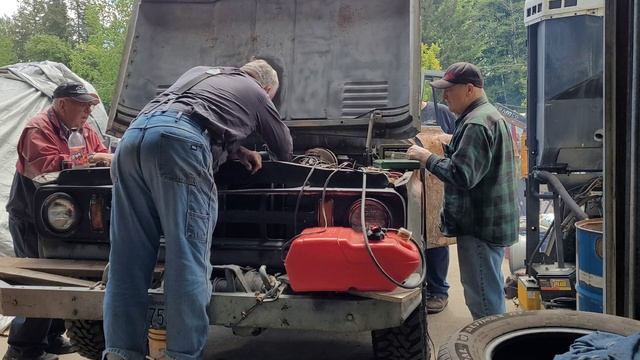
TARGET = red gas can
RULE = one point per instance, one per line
(336, 259)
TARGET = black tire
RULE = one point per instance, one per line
(529, 335)
(406, 342)
(87, 336)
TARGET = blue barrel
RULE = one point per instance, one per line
(589, 263)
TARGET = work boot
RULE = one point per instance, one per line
(436, 303)
(12, 354)
(59, 345)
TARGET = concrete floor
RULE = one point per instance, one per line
(290, 345)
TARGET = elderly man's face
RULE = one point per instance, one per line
(458, 97)
(74, 114)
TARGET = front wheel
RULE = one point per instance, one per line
(408, 341)
(87, 336)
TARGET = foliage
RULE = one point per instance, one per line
(86, 35)
(7, 54)
(47, 47)
(429, 58)
(55, 20)
(489, 33)
(98, 59)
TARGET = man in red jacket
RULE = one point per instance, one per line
(42, 148)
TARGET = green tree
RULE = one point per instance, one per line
(55, 20)
(26, 23)
(78, 24)
(489, 33)
(47, 47)
(7, 54)
(98, 59)
(429, 57)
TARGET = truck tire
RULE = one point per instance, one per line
(528, 335)
(408, 341)
(87, 336)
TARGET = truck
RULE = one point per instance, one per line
(350, 94)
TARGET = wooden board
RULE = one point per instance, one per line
(30, 277)
(399, 295)
(74, 268)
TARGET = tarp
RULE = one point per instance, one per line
(25, 90)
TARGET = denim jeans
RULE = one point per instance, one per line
(437, 268)
(163, 185)
(481, 276)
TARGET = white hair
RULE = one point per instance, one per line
(263, 73)
(56, 103)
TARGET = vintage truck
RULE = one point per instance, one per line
(350, 93)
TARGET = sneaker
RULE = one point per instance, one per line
(59, 345)
(436, 304)
(12, 354)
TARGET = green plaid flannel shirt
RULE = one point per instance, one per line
(479, 174)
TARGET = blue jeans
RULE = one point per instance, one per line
(163, 184)
(437, 268)
(481, 276)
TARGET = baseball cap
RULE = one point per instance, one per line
(460, 73)
(77, 92)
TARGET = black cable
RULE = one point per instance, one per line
(295, 211)
(370, 251)
(381, 109)
(537, 248)
(285, 246)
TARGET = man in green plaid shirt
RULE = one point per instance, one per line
(479, 174)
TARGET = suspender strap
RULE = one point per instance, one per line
(190, 84)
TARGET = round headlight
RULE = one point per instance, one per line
(375, 213)
(60, 212)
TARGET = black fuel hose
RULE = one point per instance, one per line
(370, 251)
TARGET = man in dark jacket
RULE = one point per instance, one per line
(163, 184)
(478, 171)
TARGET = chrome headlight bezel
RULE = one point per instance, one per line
(68, 217)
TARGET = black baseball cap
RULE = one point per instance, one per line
(77, 92)
(460, 73)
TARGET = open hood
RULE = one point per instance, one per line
(338, 61)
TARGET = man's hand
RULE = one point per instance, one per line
(101, 159)
(250, 159)
(421, 154)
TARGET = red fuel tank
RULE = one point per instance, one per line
(336, 259)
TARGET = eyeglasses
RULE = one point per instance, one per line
(83, 105)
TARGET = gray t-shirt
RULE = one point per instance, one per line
(233, 106)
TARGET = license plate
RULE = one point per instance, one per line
(156, 316)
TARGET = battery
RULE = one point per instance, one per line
(557, 285)
(529, 293)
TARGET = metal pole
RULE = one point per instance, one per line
(557, 224)
(634, 187)
(533, 186)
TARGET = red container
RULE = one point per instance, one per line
(337, 260)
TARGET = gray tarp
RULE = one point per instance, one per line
(25, 90)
